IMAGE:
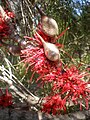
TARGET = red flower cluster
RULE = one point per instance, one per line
(5, 98)
(54, 104)
(69, 87)
(67, 84)
(35, 57)
(4, 26)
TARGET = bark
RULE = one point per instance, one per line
(18, 114)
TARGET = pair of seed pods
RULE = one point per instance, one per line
(49, 27)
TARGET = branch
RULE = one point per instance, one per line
(19, 89)
(15, 85)
(4, 15)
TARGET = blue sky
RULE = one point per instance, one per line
(81, 0)
(77, 9)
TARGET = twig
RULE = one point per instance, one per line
(3, 13)
(15, 85)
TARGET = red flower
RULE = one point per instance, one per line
(72, 85)
(5, 29)
(54, 104)
(5, 99)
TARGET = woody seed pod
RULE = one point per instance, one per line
(51, 50)
(49, 25)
